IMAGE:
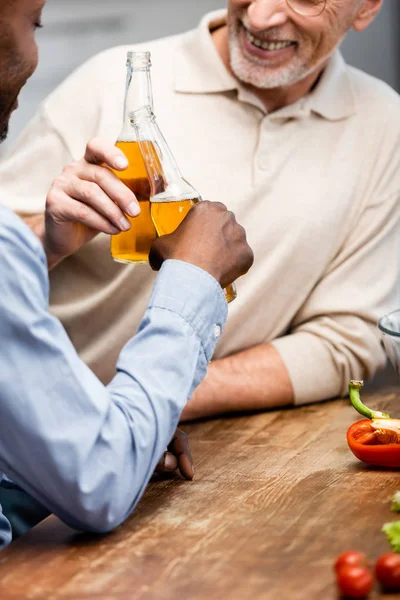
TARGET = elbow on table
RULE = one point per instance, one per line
(361, 363)
(100, 525)
(97, 522)
(99, 515)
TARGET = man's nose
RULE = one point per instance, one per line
(263, 14)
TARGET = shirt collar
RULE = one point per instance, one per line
(199, 69)
(333, 96)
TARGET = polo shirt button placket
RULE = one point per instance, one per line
(263, 161)
(265, 147)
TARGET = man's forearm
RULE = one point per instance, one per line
(254, 379)
(93, 470)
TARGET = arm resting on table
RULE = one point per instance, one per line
(84, 450)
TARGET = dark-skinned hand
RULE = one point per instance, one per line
(209, 237)
(178, 456)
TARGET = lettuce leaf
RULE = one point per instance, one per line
(392, 531)
(396, 502)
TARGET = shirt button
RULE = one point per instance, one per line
(217, 331)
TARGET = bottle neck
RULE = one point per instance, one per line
(138, 94)
(165, 178)
(158, 157)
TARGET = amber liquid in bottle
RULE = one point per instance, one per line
(167, 216)
(134, 245)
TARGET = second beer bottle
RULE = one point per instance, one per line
(134, 245)
(171, 196)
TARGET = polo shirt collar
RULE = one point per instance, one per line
(199, 69)
(333, 96)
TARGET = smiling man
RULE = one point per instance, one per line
(263, 113)
(268, 50)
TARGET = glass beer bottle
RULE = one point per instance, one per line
(134, 245)
(171, 196)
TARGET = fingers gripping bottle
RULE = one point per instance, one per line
(171, 196)
(133, 246)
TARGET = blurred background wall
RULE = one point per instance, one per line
(76, 29)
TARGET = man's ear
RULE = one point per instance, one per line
(366, 13)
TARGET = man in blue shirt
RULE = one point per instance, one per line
(85, 451)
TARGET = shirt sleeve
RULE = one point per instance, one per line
(334, 337)
(84, 450)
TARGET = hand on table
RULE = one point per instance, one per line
(178, 456)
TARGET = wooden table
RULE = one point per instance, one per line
(275, 498)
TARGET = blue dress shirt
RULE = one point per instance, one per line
(84, 450)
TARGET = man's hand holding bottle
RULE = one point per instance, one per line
(209, 237)
(88, 199)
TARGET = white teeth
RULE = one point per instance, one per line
(266, 45)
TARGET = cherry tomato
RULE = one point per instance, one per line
(354, 582)
(387, 570)
(351, 558)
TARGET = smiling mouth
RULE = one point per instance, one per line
(264, 45)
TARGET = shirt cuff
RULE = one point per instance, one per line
(311, 367)
(196, 296)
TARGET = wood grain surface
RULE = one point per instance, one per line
(276, 497)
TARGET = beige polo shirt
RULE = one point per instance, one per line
(316, 185)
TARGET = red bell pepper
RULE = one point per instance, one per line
(375, 440)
